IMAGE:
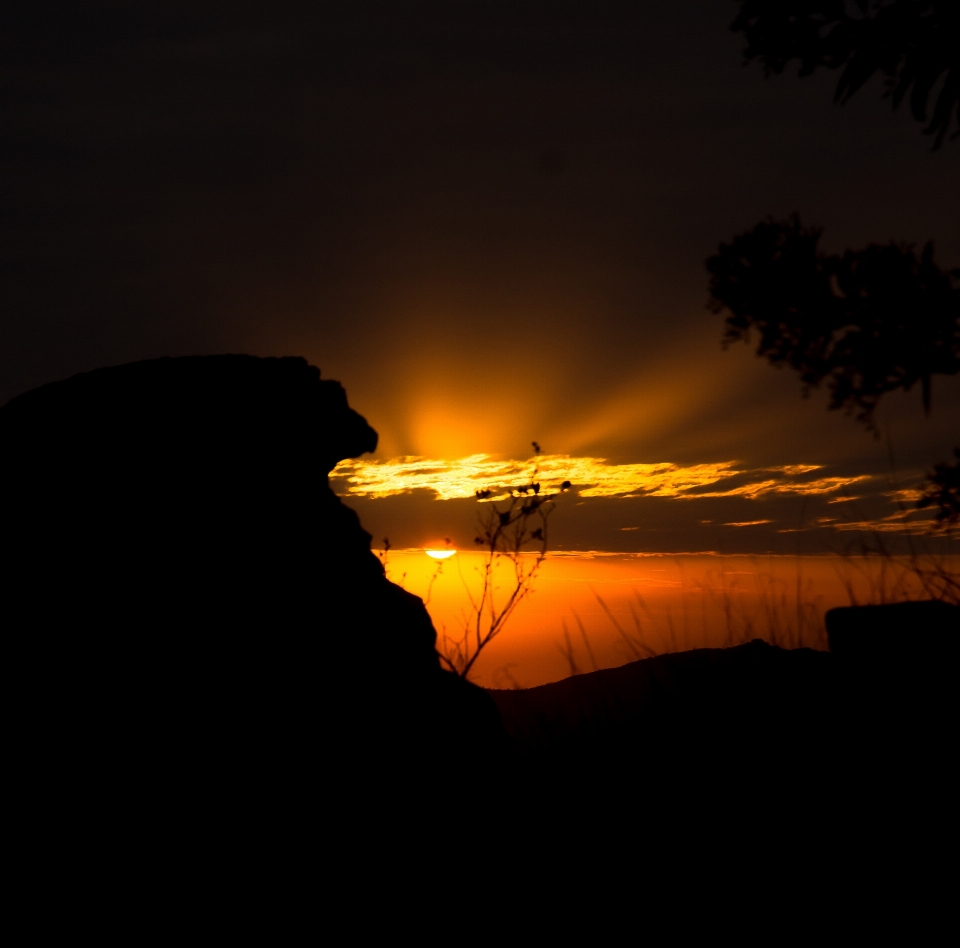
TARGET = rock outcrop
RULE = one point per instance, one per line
(192, 614)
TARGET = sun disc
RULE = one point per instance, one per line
(440, 554)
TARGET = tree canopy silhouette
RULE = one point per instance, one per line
(943, 491)
(866, 322)
(912, 43)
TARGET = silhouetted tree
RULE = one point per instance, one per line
(913, 43)
(943, 491)
(866, 322)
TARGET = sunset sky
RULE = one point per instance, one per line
(489, 221)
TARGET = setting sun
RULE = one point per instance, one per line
(440, 554)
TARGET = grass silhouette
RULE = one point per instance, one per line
(787, 614)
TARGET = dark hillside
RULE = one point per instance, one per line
(754, 687)
(826, 734)
(749, 721)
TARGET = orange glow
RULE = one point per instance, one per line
(663, 602)
(661, 401)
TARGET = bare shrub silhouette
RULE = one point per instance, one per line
(384, 556)
(512, 532)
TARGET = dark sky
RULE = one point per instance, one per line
(487, 219)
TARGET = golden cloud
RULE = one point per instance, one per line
(823, 485)
(918, 527)
(592, 477)
(794, 469)
(907, 495)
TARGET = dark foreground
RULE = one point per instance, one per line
(832, 772)
(213, 686)
(719, 703)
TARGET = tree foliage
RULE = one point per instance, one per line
(912, 43)
(943, 491)
(865, 322)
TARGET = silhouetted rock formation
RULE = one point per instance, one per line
(192, 614)
(898, 667)
(895, 636)
(898, 661)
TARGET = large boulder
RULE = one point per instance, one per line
(191, 614)
(898, 665)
